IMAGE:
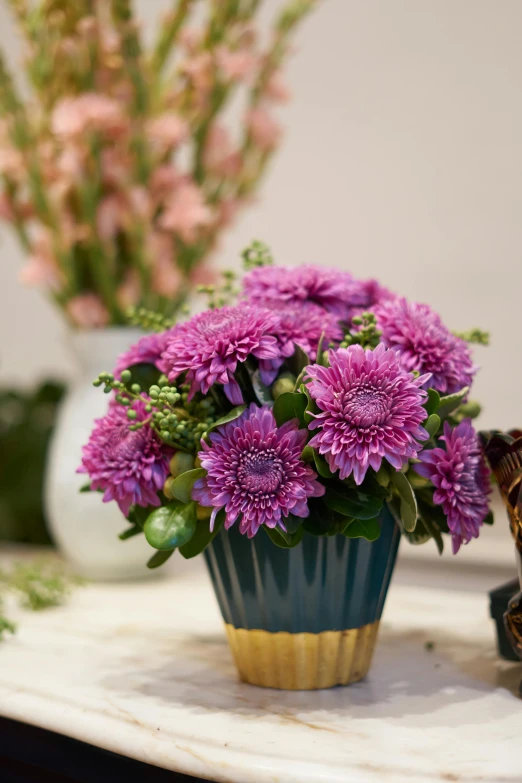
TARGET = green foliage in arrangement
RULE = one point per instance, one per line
(359, 411)
(26, 423)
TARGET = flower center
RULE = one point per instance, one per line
(365, 405)
(125, 444)
(260, 472)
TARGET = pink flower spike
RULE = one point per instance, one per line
(237, 65)
(186, 212)
(87, 311)
(265, 131)
(168, 129)
(276, 89)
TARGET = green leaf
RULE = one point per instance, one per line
(363, 528)
(489, 519)
(138, 515)
(383, 475)
(451, 402)
(232, 415)
(202, 537)
(183, 484)
(130, 532)
(292, 523)
(432, 402)
(370, 485)
(408, 502)
(432, 424)
(311, 407)
(322, 521)
(262, 392)
(353, 503)
(86, 487)
(290, 405)
(323, 361)
(298, 361)
(282, 539)
(171, 526)
(159, 558)
(307, 454)
(321, 466)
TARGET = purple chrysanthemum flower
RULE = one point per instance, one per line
(147, 350)
(367, 294)
(131, 466)
(425, 344)
(210, 345)
(461, 480)
(300, 323)
(255, 472)
(328, 288)
(371, 409)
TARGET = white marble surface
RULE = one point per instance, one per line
(144, 670)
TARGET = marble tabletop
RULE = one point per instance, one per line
(144, 670)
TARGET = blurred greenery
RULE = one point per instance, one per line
(26, 423)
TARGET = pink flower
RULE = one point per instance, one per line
(129, 466)
(276, 89)
(87, 311)
(166, 277)
(199, 69)
(461, 479)
(211, 344)
(11, 162)
(235, 65)
(219, 156)
(6, 208)
(129, 292)
(424, 344)
(110, 216)
(164, 179)
(88, 112)
(190, 39)
(115, 167)
(167, 129)
(255, 472)
(41, 267)
(370, 410)
(71, 163)
(227, 210)
(186, 212)
(264, 130)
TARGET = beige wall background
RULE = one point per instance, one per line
(401, 160)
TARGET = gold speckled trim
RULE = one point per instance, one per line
(302, 661)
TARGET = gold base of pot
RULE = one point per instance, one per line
(302, 661)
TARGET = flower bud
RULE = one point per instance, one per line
(285, 383)
(180, 463)
(202, 512)
(167, 488)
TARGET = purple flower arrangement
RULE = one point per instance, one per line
(306, 401)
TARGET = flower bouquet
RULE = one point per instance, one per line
(293, 437)
(119, 173)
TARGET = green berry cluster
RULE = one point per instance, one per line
(178, 422)
(365, 332)
(149, 320)
(219, 296)
(476, 336)
(257, 254)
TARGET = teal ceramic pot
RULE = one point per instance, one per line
(305, 617)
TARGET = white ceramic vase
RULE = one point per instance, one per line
(83, 527)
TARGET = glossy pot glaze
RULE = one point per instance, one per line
(305, 617)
